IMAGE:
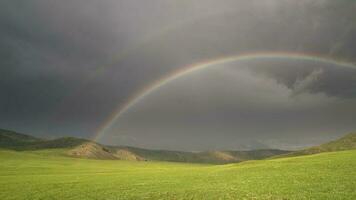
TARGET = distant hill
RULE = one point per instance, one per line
(83, 148)
(348, 142)
(18, 141)
(64, 142)
(11, 139)
(202, 157)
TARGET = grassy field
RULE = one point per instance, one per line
(47, 174)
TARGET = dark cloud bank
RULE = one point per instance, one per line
(65, 66)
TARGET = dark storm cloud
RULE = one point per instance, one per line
(231, 107)
(65, 65)
(333, 81)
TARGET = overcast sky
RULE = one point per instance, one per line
(66, 65)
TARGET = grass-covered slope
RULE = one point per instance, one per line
(46, 174)
(348, 142)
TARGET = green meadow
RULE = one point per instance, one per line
(49, 174)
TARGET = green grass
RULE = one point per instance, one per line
(48, 174)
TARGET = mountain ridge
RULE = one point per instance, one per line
(83, 148)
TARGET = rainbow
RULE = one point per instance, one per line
(141, 94)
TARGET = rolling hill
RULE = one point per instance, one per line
(347, 142)
(82, 148)
(14, 140)
(19, 141)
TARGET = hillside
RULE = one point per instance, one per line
(82, 148)
(325, 176)
(348, 142)
(11, 139)
(94, 150)
(21, 142)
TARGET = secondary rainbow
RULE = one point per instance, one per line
(141, 94)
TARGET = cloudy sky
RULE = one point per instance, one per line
(67, 65)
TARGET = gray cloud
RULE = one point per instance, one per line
(233, 105)
(302, 85)
(65, 66)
